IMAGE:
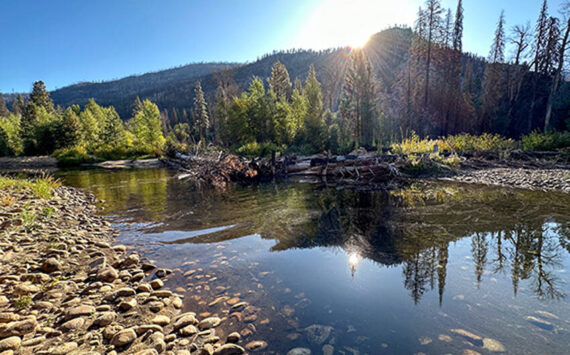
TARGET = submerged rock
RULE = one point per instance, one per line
(493, 345)
(541, 323)
(299, 351)
(318, 334)
(473, 338)
(256, 345)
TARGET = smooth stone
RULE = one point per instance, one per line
(328, 349)
(73, 324)
(108, 274)
(184, 320)
(256, 345)
(63, 349)
(18, 328)
(493, 345)
(318, 334)
(299, 351)
(475, 339)
(105, 319)
(124, 337)
(233, 337)
(128, 305)
(156, 284)
(83, 310)
(51, 265)
(229, 349)
(210, 322)
(10, 343)
(161, 320)
(188, 330)
(541, 323)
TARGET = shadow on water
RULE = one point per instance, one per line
(478, 242)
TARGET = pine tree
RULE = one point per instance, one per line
(146, 127)
(200, 111)
(19, 106)
(3, 109)
(541, 31)
(280, 82)
(137, 106)
(112, 129)
(40, 97)
(457, 37)
(69, 134)
(492, 88)
(313, 121)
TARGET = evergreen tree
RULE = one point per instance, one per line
(200, 112)
(432, 22)
(40, 97)
(3, 109)
(137, 106)
(540, 40)
(69, 133)
(280, 82)
(112, 130)
(19, 105)
(457, 37)
(314, 117)
(492, 88)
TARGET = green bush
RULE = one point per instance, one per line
(255, 149)
(546, 141)
(459, 143)
(71, 156)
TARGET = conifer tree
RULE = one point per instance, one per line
(314, 117)
(113, 130)
(541, 31)
(19, 105)
(69, 134)
(457, 37)
(146, 126)
(432, 22)
(200, 111)
(40, 97)
(3, 109)
(280, 82)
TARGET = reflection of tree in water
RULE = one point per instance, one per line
(416, 231)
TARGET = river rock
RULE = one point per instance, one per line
(51, 265)
(124, 337)
(104, 319)
(210, 322)
(73, 324)
(156, 284)
(233, 337)
(64, 348)
(127, 305)
(18, 328)
(108, 274)
(328, 349)
(185, 319)
(10, 343)
(161, 320)
(299, 351)
(493, 345)
(188, 330)
(541, 323)
(83, 310)
(229, 349)
(256, 345)
(318, 334)
(473, 338)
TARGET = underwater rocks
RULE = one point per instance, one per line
(534, 179)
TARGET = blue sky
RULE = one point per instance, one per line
(64, 41)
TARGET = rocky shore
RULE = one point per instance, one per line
(66, 289)
(534, 179)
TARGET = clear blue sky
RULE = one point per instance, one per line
(64, 41)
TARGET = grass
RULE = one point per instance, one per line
(458, 144)
(23, 302)
(42, 187)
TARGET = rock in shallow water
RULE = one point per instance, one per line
(299, 351)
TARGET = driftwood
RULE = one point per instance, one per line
(218, 168)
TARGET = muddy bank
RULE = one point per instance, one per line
(66, 289)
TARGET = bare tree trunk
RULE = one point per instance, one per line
(556, 80)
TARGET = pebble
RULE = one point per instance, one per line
(493, 345)
(161, 320)
(10, 343)
(124, 337)
(210, 322)
(234, 337)
(256, 345)
(229, 349)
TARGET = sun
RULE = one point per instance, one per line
(340, 23)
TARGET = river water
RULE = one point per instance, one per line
(434, 268)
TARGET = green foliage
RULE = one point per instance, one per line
(255, 149)
(72, 156)
(23, 302)
(313, 122)
(200, 111)
(146, 127)
(458, 143)
(546, 141)
(10, 140)
(41, 187)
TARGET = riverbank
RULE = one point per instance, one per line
(66, 289)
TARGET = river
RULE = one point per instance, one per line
(433, 268)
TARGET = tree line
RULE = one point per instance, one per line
(438, 91)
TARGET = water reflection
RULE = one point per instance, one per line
(521, 233)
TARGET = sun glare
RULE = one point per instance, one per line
(336, 23)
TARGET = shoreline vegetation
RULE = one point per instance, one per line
(67, 288)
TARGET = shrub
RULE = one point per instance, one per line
(41, 187)
(255, 149)
(458, 143)
(75, 155)
(546, 141)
